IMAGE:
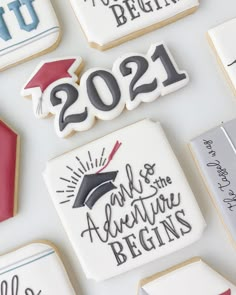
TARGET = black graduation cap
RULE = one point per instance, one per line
(93, 187)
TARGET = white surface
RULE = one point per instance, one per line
(203, 104)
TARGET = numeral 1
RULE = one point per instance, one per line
(172, 73)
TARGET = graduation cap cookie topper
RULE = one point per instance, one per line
(123, 203)
(102, 93)
(181, 279)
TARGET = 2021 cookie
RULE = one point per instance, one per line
(102, 93)
(222, 39)
(107, 23)
(191, 277)
(9, 162)
(124, 200)
(214, 153)
(35, 269)
(28, 28)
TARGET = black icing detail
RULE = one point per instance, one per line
(173, 75)
(98, 193)
(14, 286)
(90, 184)
(93, 94)
(142, 67)
(231, 64)
(72, 97)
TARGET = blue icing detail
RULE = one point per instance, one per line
(4, 32)
(15, 7)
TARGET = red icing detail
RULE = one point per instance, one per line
(111, 156)
(228, 292)
(49, 73)
(8, 162)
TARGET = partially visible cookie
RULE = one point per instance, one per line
(28, 28)
(111, 22)
(215, 155)
(9, 159)
(193, 277)
(223, 41)
(35, 269)
(124, 200)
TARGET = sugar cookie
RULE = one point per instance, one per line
(124, 200)
(9, 156)
(28, 28)
(35, 269)
(191, 277)
(214, 152)
(223, 43)
(107, 23)
(102, 94)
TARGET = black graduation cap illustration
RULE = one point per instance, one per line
(93, 187)
(88, 187)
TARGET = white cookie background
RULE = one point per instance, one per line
(203, 104)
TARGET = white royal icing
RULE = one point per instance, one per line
(27, 27)
(125, 178)
(195, 278)
(223, 39)
(106, 21)
(34, 269)
(102, 93)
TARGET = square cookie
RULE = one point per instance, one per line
(193, 277)
(28, 28)
(107, 23)
(35, 269)
(223, 41)
(215, 155)
(124, 200)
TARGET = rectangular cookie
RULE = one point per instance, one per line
(222, 39)
(28, 28)
(215, 155)
(35, 269)
(193, 277)
(107, 23)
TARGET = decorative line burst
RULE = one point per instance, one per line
(78, 173)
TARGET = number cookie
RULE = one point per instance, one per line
(28, 28)
(9, 156)
(35, 269)
(107, 23)
(222, 40)
(124, 200)
(102, 94)
(214, 152)
(191, 277)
